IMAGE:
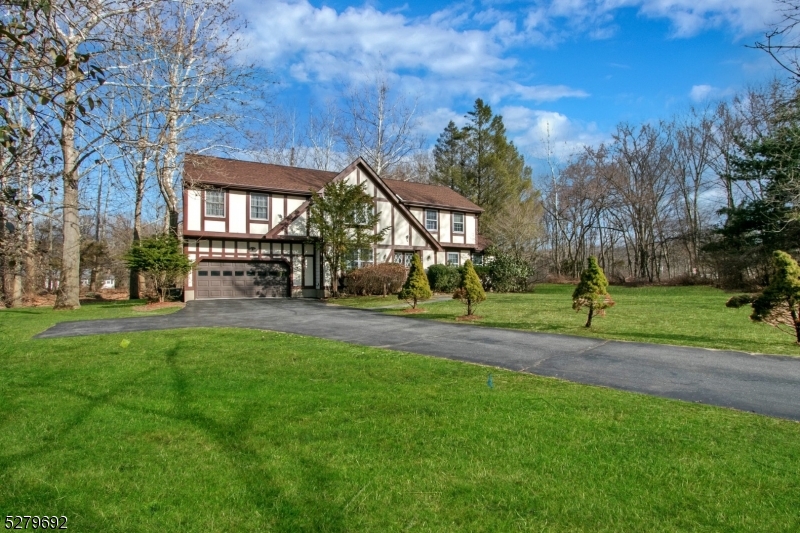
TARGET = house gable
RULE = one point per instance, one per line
(357, 173)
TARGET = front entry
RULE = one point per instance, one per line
(242, 279)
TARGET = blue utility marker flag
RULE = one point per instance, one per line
(489, 382)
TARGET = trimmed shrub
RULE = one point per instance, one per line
(416, 286)
(443, 278)
(779, 304)
(592, 291)
(376, 280)
(738, 301)
(470, 291)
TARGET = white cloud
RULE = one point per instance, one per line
(701, 93)
(688, 17)
(704, 93)
(323, 44)
(533, 129)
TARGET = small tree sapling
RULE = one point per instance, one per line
(416, 286)
(470, 290)
(592, 291)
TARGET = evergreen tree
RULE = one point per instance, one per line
(416, 286)
(592, 291)
(470, 291)
(449, 158)
(769, 219)
(161, 260)
(781, 295)
(479, 162)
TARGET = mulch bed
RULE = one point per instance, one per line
(412, 311)
(468, 318)
(152, 306)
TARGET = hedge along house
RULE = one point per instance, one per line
(244, 226)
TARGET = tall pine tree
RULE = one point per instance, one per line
(480, 162)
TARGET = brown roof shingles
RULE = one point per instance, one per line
(201, 169)
(430, 195)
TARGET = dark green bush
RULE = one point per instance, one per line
(740, 300)
(444, 278)
(485, 275)
(509, 274)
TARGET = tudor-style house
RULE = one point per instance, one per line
(244, 226)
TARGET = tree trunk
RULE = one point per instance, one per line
(591, 314)
(796, 325)
(15, 299)
(136, 279)
(68, 295)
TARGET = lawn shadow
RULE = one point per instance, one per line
(231, 438)
(50, 442)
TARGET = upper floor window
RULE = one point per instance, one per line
(215, 203)
(431, 220)
(258, 206)
(458, 222)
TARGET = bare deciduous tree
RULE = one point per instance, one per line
(380, 128)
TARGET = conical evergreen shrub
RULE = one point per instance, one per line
(416, 286)
(779, 304)
(592, 291)
(470, 292)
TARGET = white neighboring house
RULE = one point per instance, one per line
(244, 226)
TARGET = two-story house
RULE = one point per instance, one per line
(244, 225)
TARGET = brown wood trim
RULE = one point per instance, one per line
(219, 185)
(443, 206)
(202, 209)
(185, 208)
(244, 236)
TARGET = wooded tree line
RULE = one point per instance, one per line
(101, 99)
(706, 195)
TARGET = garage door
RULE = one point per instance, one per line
(240, 279)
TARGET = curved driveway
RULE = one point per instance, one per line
(764, 384)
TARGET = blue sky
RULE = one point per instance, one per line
(575, 67)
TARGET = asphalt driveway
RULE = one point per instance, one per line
(764, 384)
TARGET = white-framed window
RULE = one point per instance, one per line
(477, 259)
(431, 220)
(458, 222)
(259, 209)
(215, 203)
(453, 258)
(360, 258)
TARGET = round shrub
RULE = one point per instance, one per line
(444, 278)
(376, 280)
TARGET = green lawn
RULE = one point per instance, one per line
(240, 430)
(686, 316)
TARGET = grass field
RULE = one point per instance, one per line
(240, 430)
(686, 316)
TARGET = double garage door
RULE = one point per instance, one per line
(242, 279)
